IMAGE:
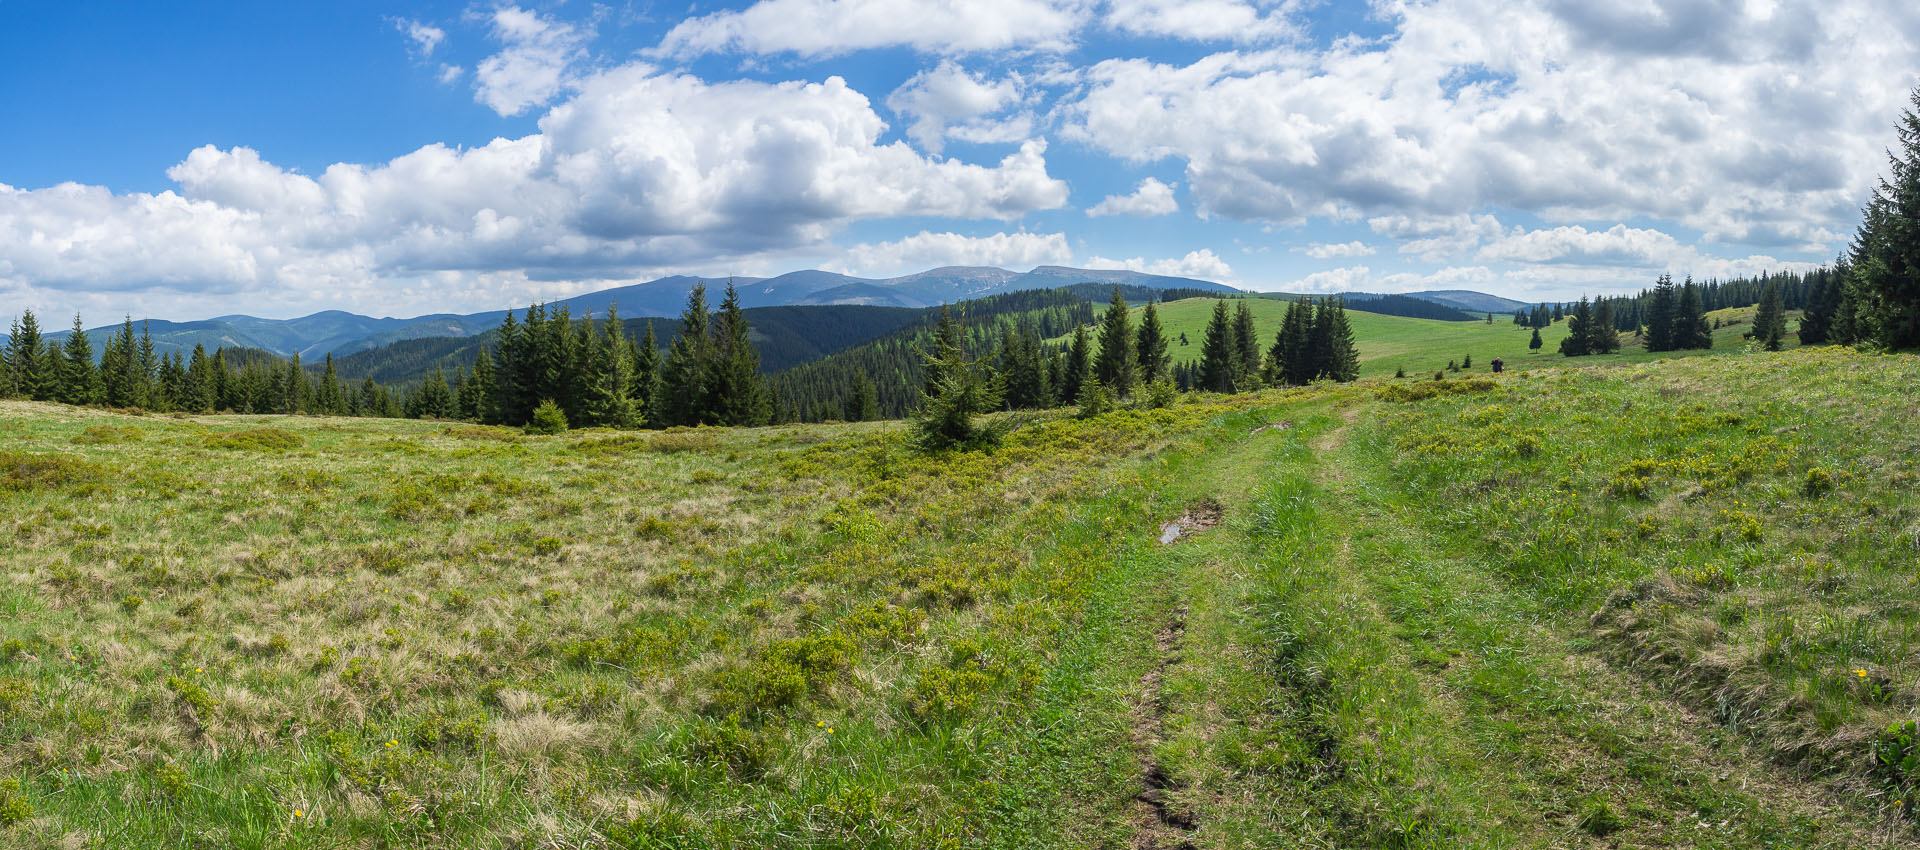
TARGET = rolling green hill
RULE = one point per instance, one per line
(1423, 346)
(1472, 613)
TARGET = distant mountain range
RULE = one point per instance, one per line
(341, 333)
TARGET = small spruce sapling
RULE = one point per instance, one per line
(548, 418)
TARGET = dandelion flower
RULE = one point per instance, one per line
(1861, 673)
(299, 814)
(392, 742)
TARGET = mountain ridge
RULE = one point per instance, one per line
(341, 333)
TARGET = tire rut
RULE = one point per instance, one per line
(1162, 824)
(1624, 700)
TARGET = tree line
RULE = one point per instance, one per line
(1119, 363)
(129, 374)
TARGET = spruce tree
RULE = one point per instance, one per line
(1292, 362)
(628, 409)
(684, 374)
(1579, 331)
(1603, 337)
(946, 350)
(863, 405)
(1218, 352)
(332, 399)
(33, 372)
(1151, 344)
(591, 384)
(486, 390)
(296, 394)
(1823, 301)
(1690, 329)
(1770, 320)
(645, 387)
(513, 371)
(433, 400)
(148, 371)
(1535, 343)
(1246, 348)
(1079, 367)
(119, 386)
(946, 416)
(225, 388)
(1662, 308)
(79, 380)
(556, 358)
(1115, 363)
(738, 395)
(1342, 360)
(1885, 256)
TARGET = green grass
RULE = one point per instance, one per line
(1424, 346)
(1653, 604)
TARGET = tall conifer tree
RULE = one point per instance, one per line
(1151, 344)
(1770, 320)
(1219, 353)
(1079, 367)
(1246, 348)
(1690, 329)
(1115, 363)
(738, 395)
(79, 380)
(684, 374)
(1885, 257)
(1662, 311)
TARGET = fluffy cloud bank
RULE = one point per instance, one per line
(1202, 264)
(638, 170)
(815, 28)
(1750, 122)
(1150, 199)
(926, 250)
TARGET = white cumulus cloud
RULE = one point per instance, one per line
(947, 101)
(929, 250)
(814, 28)
(1202, 264)
(535, 64)
(1202, 20)
(1327, 251)
(1151, 198)
(637, 171)
(425, 37)
(1751, 124)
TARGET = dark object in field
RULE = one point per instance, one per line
(1200, 516)
(1498, 366)
(1271, 426)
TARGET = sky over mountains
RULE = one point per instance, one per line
(198, 159)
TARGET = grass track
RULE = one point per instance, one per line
(1596, 607)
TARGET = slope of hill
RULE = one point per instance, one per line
(1412, 614)
(1422, 346)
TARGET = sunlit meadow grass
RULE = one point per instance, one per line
(269, 631)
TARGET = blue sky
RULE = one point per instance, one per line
(192, 159)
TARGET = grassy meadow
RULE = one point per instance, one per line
(1665, 603)
(1423, 346)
